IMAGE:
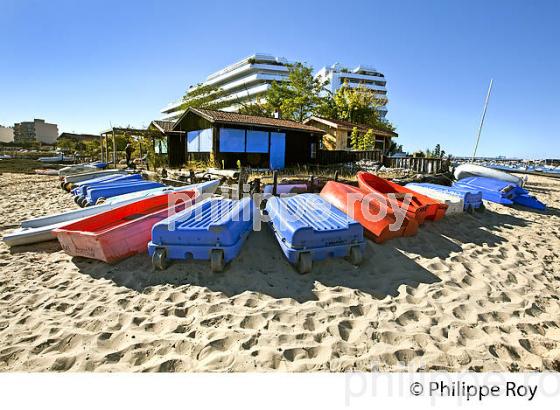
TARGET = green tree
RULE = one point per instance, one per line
(359, 105)
(296, 98)
(355, 138)
(368, 140)
(258, 107)
(67, 145)
(362, 142)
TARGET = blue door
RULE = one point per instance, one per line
(277, 150)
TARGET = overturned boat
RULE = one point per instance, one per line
(378, 217)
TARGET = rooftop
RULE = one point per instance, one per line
(224, 117)
(350, 125)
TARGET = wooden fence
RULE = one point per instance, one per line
(327, 157)
(420, 165)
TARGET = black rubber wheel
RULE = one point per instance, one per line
(305, 263)
(159, 259)
(481, 209)
(62, 185)
(100, 201)
(77, 199)
(82, 202)
(217, 260)
(355, 257)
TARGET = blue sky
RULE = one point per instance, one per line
(88, 64)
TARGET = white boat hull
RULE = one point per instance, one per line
(40, 229)
(90, 175)
(455, 204)
(473, 170)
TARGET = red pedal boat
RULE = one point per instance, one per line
(122, 232)
(420, 207)
(368, 211)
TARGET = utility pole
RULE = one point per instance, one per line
(482, 119)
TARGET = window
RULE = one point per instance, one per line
(313, 150)
(161, 146)
(232, 140)
(257, 141)
(199, 140)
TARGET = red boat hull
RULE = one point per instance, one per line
(420, 208)
(122, 232)
(367, 210)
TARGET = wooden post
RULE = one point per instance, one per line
(240, 184)
(275, 183)
(114, 150)
(140, 146)
(336, 175)
(101, 147)
(106, 148)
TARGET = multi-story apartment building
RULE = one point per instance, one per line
(249, 79)
(365, 76)
(35, 131)
(240, 83)
(6, 134)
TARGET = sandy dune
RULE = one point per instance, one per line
(468, 293)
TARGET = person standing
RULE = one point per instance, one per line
(128, 152)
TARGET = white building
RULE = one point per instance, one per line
(242, 83)
(35, 131)
(365, 76)
(6, 134)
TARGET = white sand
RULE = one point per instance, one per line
(467, 293)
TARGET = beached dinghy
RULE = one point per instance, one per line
(501, 192)
(207, 187)
(472, 199)
(122, 232)
(309, 228)
(286, 189)
(473, 170)
(420, 207)
(455, 204)
(110, 190)
(379, 220)
(80, 168)
(40, 229)
(214, 229)
(82, 188)
(68, 181)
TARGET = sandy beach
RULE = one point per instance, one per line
(469, 293)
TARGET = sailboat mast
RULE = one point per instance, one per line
(482, 119)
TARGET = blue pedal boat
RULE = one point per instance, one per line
(214, 229)
(501, 192)
(309, 228)
(471, 197)
(118, 188)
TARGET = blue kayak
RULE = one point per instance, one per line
(471, 197)
(501, 192)
(110, 190)
(213, 229)
(309, 228)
